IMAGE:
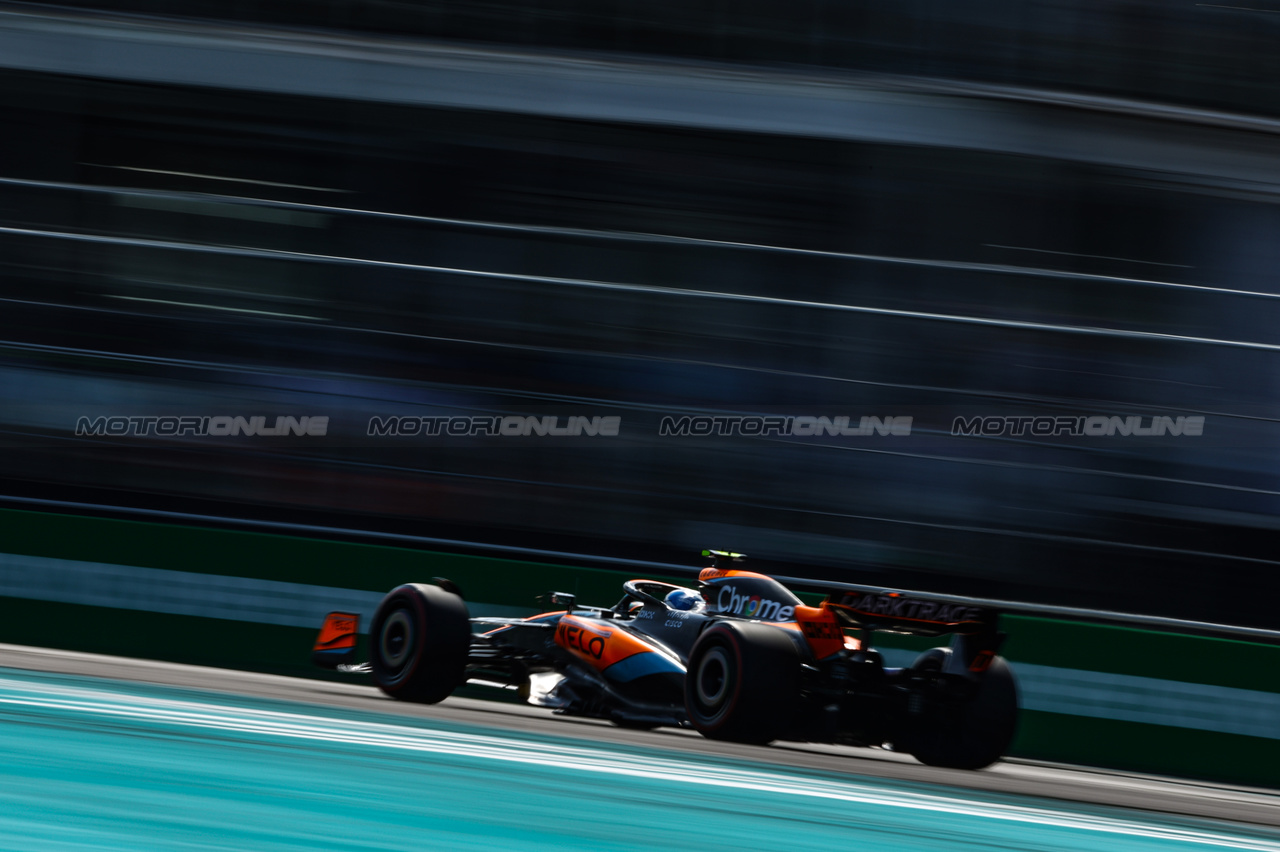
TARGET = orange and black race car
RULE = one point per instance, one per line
(740, 658)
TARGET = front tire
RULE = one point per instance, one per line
(743, 683)
(420, 638)
(974, 733)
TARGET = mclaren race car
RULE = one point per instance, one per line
(740, 658)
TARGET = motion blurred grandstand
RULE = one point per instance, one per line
(366, 210)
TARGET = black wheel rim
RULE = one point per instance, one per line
(395, 642)
(713, 681)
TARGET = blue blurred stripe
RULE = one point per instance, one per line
(97, 766)
(639, 665)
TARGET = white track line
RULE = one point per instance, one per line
(667, 768)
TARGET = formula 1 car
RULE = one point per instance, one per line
(741, 658)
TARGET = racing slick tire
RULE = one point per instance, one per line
(743, 683)
(420, 637)
(973, 734)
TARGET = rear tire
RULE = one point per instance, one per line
(743, 683)
(975, 733)
(420, 638)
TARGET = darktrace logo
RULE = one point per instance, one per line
(900, 606)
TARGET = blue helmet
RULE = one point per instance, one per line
(685, 599)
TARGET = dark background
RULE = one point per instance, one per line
(832, 278)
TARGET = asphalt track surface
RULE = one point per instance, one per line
(1071, 786)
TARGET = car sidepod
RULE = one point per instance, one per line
(634, 664)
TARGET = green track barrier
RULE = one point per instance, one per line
(1157, 749)
(1150, 653)
(1116, 697)
(293, 559)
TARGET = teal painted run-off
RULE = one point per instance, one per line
(1108, 696)
(101, 767)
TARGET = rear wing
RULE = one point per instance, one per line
(974, 628)
(909, 612)
(834, 590)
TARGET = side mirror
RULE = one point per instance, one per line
(563, 599)
(448, 585)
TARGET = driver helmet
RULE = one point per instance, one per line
(685, 599)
